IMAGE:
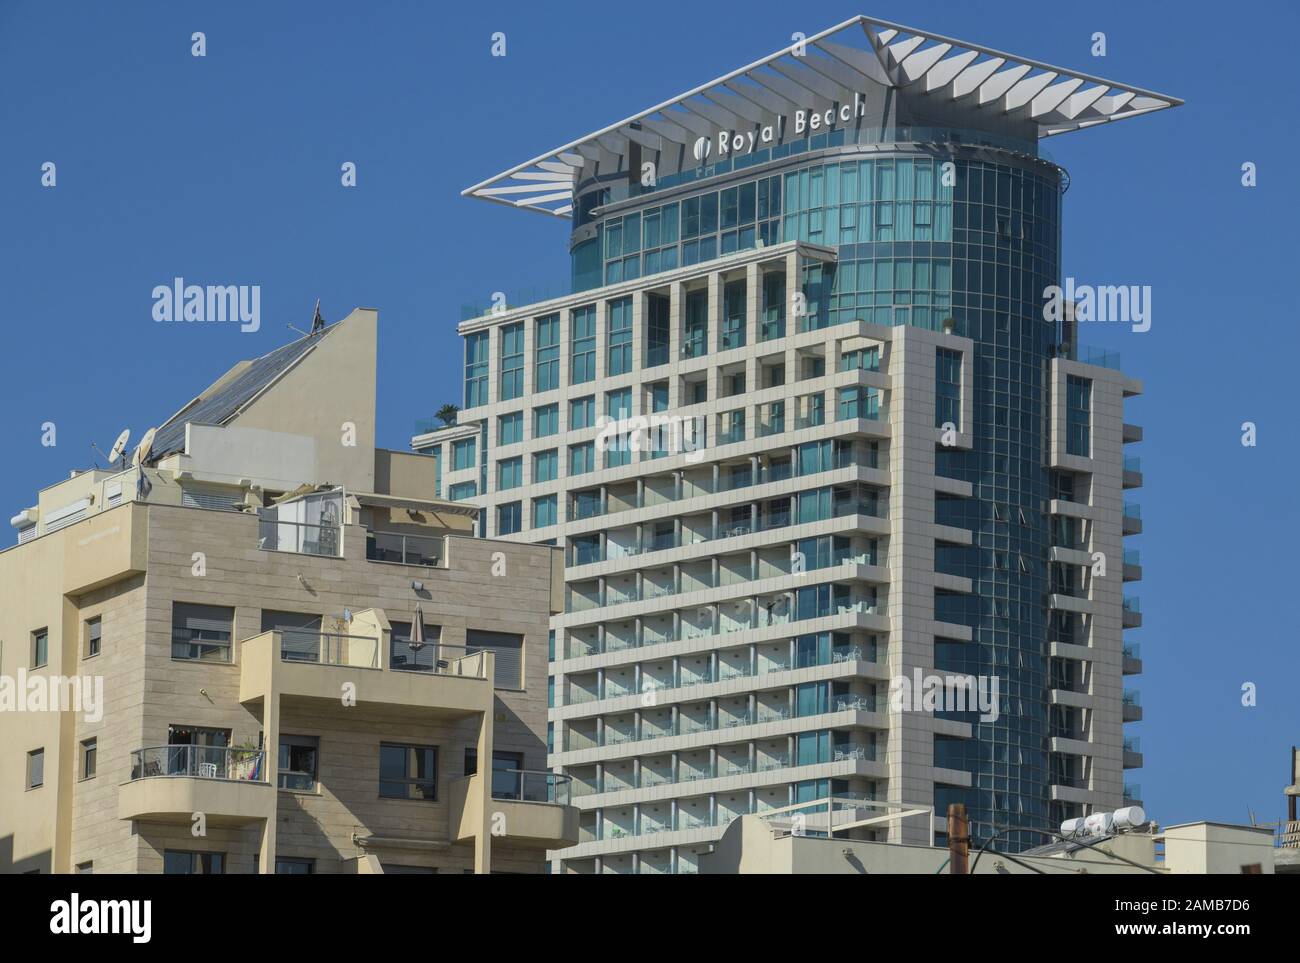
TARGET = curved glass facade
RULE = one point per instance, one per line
(923, 235)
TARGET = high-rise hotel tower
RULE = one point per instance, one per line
(830, 266)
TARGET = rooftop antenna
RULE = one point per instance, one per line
(116, 451)
(317, 322)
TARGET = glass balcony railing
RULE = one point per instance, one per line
(302, 538)
(201, 762)
(1132, 463)
(531, 785)
(1132, 697)
(1132, 604)
(1132, 510)
(427, 550)
(324, 648)
(1132, 650)
(1132, 557)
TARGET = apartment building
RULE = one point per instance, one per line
(306, 663)
(801, 430)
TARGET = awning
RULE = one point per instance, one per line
(416, 505)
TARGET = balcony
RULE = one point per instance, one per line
(527, 808)
(1132, 519)
(402, 549)
(170, 783)
(1132, 659)
(1132, 705)
(317, 667)
(301, 538)
(1132, 612)
(1132, 472)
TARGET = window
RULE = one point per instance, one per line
(300, 634)
(582, 412)
(1078, 416)
(618, 404)
(201, 632)
(420, 657)
(510, 428)
(545, 511)
(408, 772)
(293, 866)
(462, 453)
(656, 330)
(620, 336)
(94, 630)
(506, 767)
(510, 518)
(546, 421)
(512, 361)
(462, 490)
(298, 762)
(509, 651)
(546, 332)
(510, 473)
(733, 315)
(36, 768)
(582, 366)
(695, 325)
(947, 389)
(659, 396)
(86, 869)
(545, 465)
(476, 369)
(582, 458)
(89, 757)
(40, 648)
(179, 863)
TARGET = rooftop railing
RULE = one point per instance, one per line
(403, 549)
(303, 538)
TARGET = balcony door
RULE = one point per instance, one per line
(196, 751)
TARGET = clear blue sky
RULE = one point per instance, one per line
(226, 170)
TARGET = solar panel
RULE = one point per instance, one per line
(228, 399)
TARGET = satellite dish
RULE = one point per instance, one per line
(142, 449)
(119, 446)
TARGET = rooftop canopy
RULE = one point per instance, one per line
(863, 71)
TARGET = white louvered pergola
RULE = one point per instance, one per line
(826, 72)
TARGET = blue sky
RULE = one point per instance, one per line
(225, 169)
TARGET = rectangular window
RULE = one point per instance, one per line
(544, 511)
(510, 473)
(509, 651)
(40, 648)
(408, 772)
(1078, 416)
(462, 490)
(89, 758)
(659, 396)
(620, 337)
(35, 768)
(582, 366)
(695, 325)
(293, 866)
(512, 361)
(86, 869)
(546, 465)
(299, 757)
(618, 404)
(582, 412)
(546, 421)
(546, 331)
(773, 322)
(179, 863)
(947, 388)
(656, 330)
(733, 315)
(510, 428)
(582, 458)
(94, 635)
(510, 518)
(462, 453)
(476, 369)
(201, 633)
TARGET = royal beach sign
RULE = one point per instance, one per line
(733, 143)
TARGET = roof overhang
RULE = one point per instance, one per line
(828, 71)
